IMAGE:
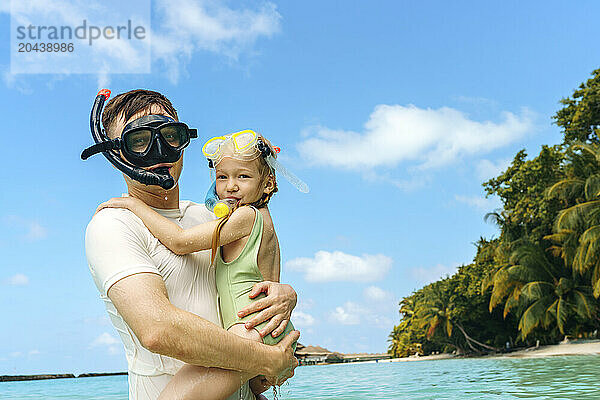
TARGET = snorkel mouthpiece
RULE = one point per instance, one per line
(221, 208)
(166, 180)
(158, 177)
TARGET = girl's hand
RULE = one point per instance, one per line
(119, 202)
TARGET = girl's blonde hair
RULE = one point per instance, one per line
(265, 171)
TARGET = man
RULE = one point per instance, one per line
(163, 305)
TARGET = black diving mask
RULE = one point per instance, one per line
(155, 139)
(147, 141)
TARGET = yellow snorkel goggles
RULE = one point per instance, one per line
(246, 145)
(239, 145)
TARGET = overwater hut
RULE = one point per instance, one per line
(334, 357)
(309, 355)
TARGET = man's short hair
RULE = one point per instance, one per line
(130, 103)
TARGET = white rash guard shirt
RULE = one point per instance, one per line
(118, 245)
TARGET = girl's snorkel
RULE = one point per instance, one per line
(245, 146)
(220, 208)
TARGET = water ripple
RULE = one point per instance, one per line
(574, 377)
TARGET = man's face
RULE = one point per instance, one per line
(174, 168)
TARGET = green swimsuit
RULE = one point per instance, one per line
(236, 278)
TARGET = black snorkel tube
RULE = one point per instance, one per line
(103, 144)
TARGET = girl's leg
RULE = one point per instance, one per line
(194, 382)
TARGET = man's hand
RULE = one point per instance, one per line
(276, 307)
(285, 362)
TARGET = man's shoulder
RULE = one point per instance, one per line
(111, 220)
(112, 216)
(195, 212)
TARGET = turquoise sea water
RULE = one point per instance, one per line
(573, 377)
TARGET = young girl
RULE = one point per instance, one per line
(244, 244)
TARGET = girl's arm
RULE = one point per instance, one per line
(184, 241)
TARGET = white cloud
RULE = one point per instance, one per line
(411, 184)
(31, 229)
(117, 55)
(11, 81)
(198, 25)
(476, 100)
(428, 275)
(352, 313)
(348, 314)
(304, 304)
(8, 78)
(177, 33)
(106, 340)
(16, 354)
(480, 203)
(18, 280)
(381, 321)
(103, 79)
(487, 169)
(34, 352)
(339, 266)
(377, 294)
(36, 231)
(302, 320)
(428, 137)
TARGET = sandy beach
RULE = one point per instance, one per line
(591, 347)
(573, 348)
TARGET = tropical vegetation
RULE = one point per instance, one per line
(539, 280)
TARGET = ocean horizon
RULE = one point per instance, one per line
(564, 377)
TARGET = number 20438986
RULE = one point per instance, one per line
(45, 47)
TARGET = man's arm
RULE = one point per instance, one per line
(162, 328)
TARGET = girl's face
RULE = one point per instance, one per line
(241, 180)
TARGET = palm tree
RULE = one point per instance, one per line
(577, 228)
(541, 289)
(400, 341)
(436, 314)
(407, 311)
(395, 338)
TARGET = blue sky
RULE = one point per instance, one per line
(393, 112)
